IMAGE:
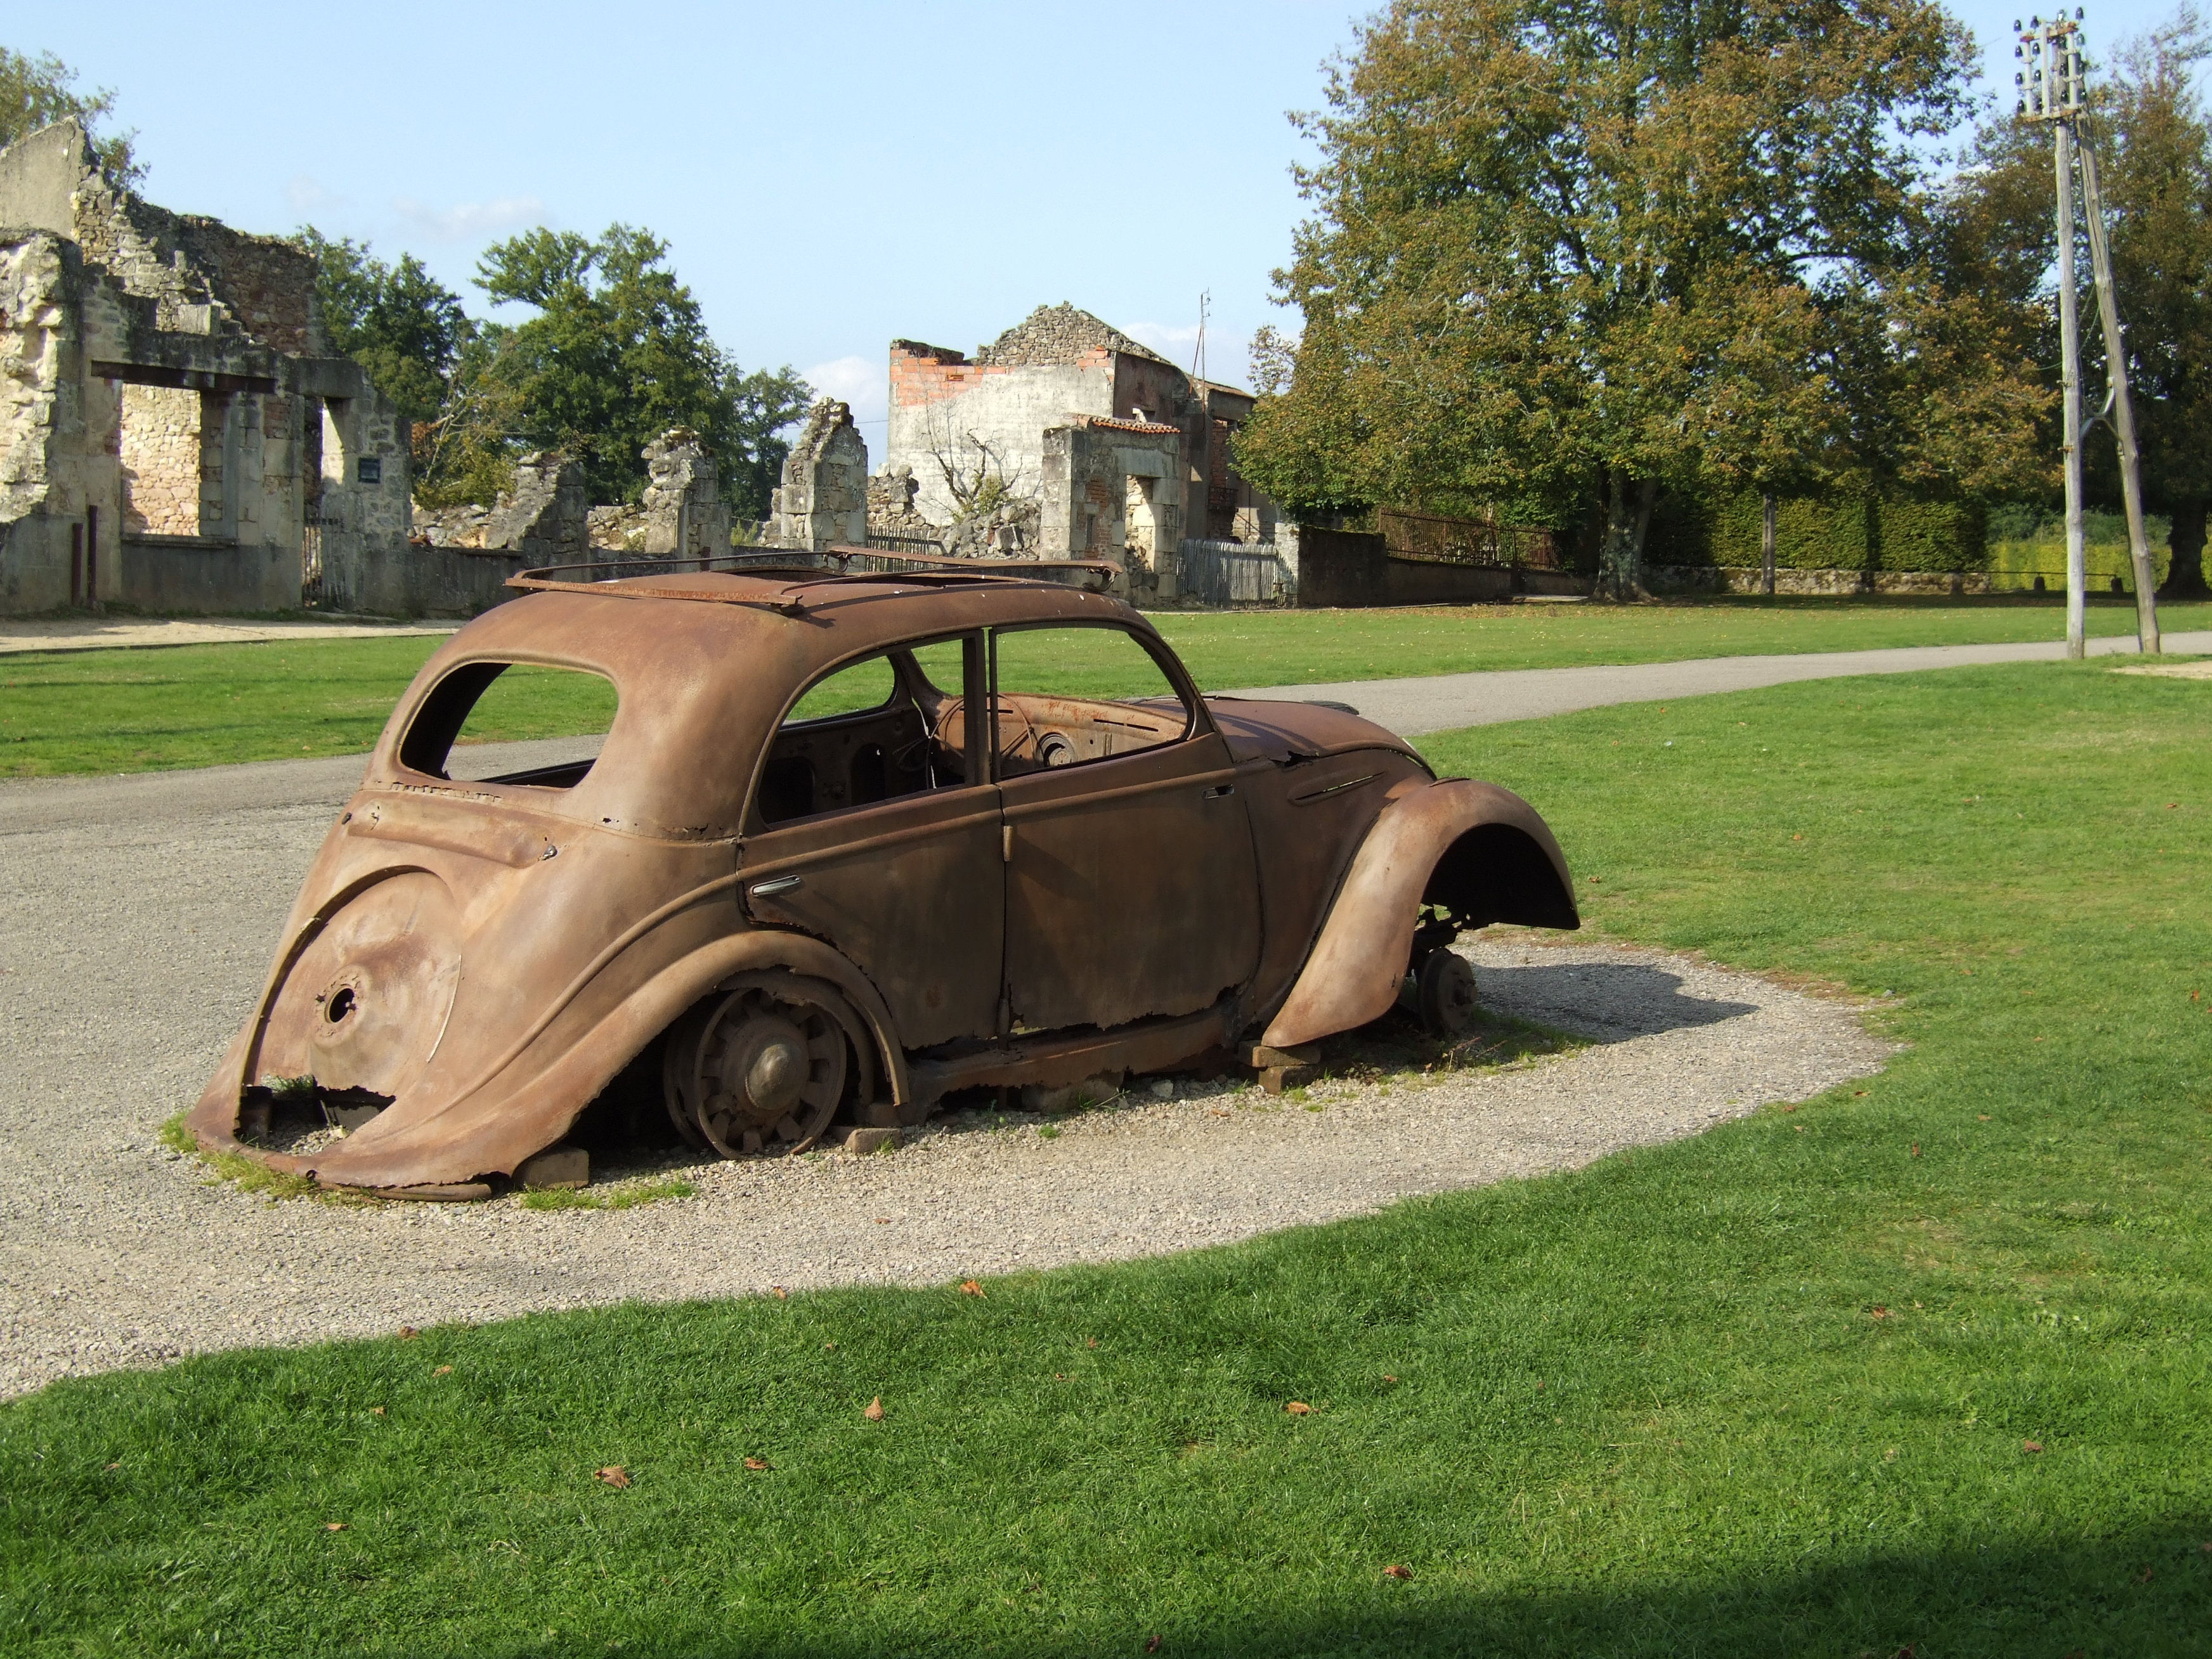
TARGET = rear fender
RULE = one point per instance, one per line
(1481, 851)
(530, 1104)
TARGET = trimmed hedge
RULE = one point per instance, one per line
(1816, 532)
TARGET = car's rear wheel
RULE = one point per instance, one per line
(763, 1072)
(1444, 993)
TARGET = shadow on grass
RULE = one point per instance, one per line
(2145, 1593)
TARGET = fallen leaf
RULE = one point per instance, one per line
(1796, 837)
(118, 1466)
(1298, 1408)
(779, 1293)
(1152, 1644)
(334, 1526)
(1089, 1341)
(1789, 1108)
(2143, 1577)
(969, 1287)
(882, 1221)
(1916, 1149)
(829, 1347)
(613, 1475)
(376, 1411)
(875, 1411)
(1387, 1378)
(1878, 1311)
(1858, 1094)
(1395, 1571)
(756, 1462)
(1905, 1652)
(2031, 1445)
(2172, 805)
(442, 1370)
(406, 1332)
(1981, 1117)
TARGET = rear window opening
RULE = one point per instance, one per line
(520, 723)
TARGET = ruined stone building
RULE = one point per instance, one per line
(1107, 447)
(174, 431)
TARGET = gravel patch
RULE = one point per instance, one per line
(131, 942)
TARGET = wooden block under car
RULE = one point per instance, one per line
(1261, 1057)
(554, 1168)
(1276, 1079)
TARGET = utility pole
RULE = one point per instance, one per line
(2120, 405)
(2048, 96)
(2051, 92)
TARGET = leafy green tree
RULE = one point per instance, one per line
(617, 354)
(1573, 246)
(397, 321)
(38, 91)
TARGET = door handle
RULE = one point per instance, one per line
(781, 884)
(1218, 791)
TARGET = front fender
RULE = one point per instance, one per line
(531, 1102)
(1478, 849)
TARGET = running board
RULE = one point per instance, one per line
(1153, 1045)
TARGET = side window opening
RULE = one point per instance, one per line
(486, 703)
(1064, 696)
(871, 731)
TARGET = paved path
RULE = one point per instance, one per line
(1442, 702)
(134, 633)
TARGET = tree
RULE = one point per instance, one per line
(1573, 246)
(617, 353)
(37, 92)
(397, 321)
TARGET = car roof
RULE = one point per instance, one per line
(704, 663)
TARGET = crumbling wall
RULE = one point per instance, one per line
(892, 511)
(684, 514)
(823, 497)
(1114, 490)
(543, 518)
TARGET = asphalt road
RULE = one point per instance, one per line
(1444, 703)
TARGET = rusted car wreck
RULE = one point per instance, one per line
(803, 867)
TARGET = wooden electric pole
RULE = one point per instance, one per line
(2051, 92)
(2119, 403)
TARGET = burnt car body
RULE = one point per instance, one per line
(844, 916)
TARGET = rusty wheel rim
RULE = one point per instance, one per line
(769, 1072)
(1447, 994)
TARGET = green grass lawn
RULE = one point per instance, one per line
(128, 711)
(1927, 1361)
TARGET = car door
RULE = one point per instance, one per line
(1131, 888)
(875, 826)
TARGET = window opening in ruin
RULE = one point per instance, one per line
(160, 446)
(1142, 533)
(1068, 697)
(498, 703)
(887, 725)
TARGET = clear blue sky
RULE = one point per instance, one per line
(830, 177)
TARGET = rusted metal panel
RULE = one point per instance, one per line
(1074, 884)
(1131, 887)
(1355, 967)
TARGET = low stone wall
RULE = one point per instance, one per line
(1740, 579)
(189, 576)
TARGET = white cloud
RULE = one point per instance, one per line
(468, 221)
(307, 195)
(863, 382)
